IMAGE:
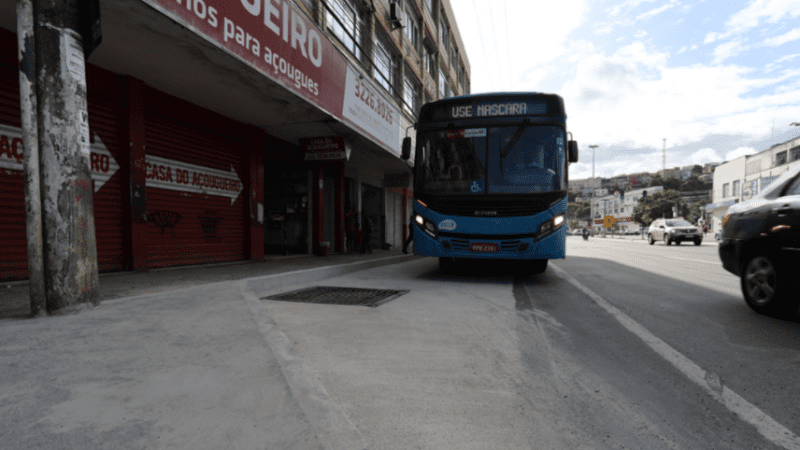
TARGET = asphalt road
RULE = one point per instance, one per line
(620, 345)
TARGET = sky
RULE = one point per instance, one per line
(716, 79)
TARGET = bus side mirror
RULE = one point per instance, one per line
(406, 148)
(573, 151)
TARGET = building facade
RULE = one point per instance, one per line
(251, 126)
(744, 177)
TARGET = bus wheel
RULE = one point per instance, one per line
(447, 265)
(537, 265)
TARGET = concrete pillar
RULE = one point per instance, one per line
(136, 242)
(70, 248)
(254, 219)
(318, 224)
(339, 208)
(31, 167)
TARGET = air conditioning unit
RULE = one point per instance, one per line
(394, 13)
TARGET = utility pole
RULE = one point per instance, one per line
(30, 161)
(68, 236)
(592, 147)
(664, 157)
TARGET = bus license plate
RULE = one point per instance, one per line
(484, 247)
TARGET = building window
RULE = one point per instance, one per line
(431, 64)
(385, 64)
(444, 35)
(736, 188)
(725, 190)
(429, 5)
(442, 83)
(345, 22)
(795, 153)
(780, 158)
(410, 93)
(311, 4)
(412, 27)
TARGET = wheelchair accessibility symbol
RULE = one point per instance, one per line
(476, 187)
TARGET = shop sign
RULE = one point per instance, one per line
(163, 173)
(273, 36)
(325, 149)
(102, 164)
(365, 107)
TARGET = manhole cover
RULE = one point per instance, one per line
(330, 295)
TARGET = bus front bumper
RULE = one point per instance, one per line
(552, 246)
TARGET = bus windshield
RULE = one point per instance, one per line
(521, 159)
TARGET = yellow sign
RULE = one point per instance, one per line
(608, 221)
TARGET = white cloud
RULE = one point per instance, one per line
(605, 29)
(770, 10)
(728, 49)
(741, 151)
(683, 49)
(653, 12)
(784, 38)
(711, 37)
(704, 155)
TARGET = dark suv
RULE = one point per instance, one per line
(761, 245)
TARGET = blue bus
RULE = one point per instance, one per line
(491, 178)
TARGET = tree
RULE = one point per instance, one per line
(659, 205)
(696, 210)
(579, 210)
(694, 183)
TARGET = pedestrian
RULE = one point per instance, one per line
(359, 243)
(350, 229)
(705, 229)
(367, 235)
(410, 233)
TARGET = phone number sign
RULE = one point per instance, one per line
(366, 107)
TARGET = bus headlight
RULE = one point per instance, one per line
(550, 226)
(425, 225)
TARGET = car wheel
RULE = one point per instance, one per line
(698, 241)
(667, 240)
(678, 242)
(765, 287)
(650, 239)
(447, 265)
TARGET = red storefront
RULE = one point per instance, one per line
(183, 124)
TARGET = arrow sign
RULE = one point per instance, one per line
(181, 176)
(102, 164)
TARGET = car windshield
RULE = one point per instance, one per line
(678, 223)
(501, 160)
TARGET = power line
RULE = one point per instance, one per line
(480, 35)
(508, 46)
(494, 39)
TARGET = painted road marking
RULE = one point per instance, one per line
(708, 381)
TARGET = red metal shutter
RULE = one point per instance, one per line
(13, 240)
(190, 219)
(106, 130)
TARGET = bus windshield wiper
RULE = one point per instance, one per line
(517, 134)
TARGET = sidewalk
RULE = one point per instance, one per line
(180, 358)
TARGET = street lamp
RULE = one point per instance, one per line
(593, 147)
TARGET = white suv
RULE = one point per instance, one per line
(674, 230)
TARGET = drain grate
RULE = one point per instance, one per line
(329, 295)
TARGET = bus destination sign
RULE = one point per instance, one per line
(498, 109)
